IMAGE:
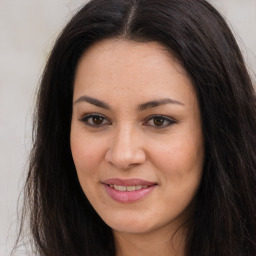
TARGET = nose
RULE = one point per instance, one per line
(126, 149)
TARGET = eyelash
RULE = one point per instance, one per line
(166, 120)
(87, 118)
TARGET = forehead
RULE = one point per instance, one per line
(125, 68)
(128, 54)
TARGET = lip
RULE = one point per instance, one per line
(128, 182)
(128, 196)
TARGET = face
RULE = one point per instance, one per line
(136, 136)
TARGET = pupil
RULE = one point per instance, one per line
(158, 121)
(97, 120)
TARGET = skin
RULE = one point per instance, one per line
(132, 143)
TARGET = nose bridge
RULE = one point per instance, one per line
(125, 149)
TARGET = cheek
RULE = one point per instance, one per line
(87, 154)
(179, 159)
(179, 164)
(87, 157)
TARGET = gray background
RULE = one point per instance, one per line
(27, 32)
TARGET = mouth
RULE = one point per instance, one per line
(128, 191)
(128, 188)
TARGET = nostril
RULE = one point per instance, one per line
(125, 158)
(125, 155)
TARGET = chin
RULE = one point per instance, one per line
(132, 229)
(133, 225)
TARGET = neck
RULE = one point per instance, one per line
(164, 243)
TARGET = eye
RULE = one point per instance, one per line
(159, 121)
(95, 120)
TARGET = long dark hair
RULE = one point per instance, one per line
(62, 221)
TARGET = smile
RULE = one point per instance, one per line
(128, 191)
(128, 188)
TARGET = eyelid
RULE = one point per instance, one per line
(85, 118)
(170, 121)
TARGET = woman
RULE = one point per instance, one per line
(144, 135)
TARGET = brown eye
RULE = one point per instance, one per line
(95, 120)
(159, 122)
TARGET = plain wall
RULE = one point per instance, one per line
(28, 30)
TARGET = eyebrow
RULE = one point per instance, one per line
(141, 107)
(156, 103)
(92, 101)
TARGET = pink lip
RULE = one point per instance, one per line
(128, 196)
(128, 182)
